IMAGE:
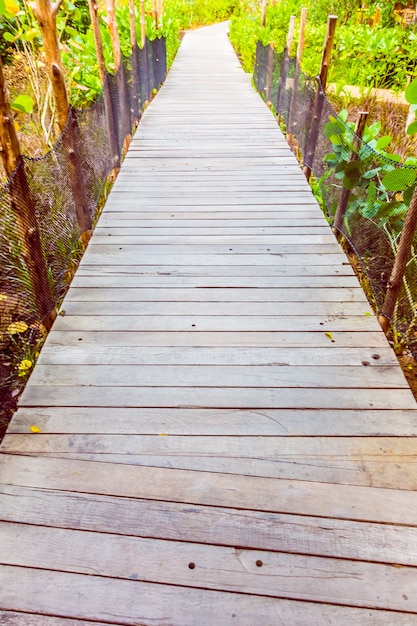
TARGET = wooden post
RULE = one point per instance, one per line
(132, 21)
(263, 13)
(318, 105)
(117, 57)
(45, 12)
(269, 71)
(400, 264)
(114, 34)
(110, 121)
(155, 13)
(344, 196)
(93, 7)
(285, 66)
(300, 50)
(142, 24)
(23, 207)
(135, 87)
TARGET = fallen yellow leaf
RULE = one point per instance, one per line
(35, 429)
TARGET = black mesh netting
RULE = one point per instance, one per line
(50, 201)
(364, 192)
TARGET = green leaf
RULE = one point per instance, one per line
(8, 37)
(398, 179)
(411, 92)
(383, 142)
(22, 103)
(412, 128)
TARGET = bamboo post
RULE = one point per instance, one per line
(299, 57)
(269, 71)
(344, 196)
(110, 121)
(318, 105)
(263, 12)
(400, 264)
(120, 78)
(284, 72)
(114, 34)
(155, 13)
(23, 207)
(132, 24)
(142, 23)
(45, 13)
(301, 38)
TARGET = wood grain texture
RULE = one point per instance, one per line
(347, 502)
(296, 534)
(147, 604)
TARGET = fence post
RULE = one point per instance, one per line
(155, 13)
(263, 13)
(135, 62)
(318, 105)
(284, 72)
(344, 196)
(120, 77)
(300, 49)
(400, 264)
(269, 71)
(23, 207)
(110, 121)
(45, 12)
(142, 23)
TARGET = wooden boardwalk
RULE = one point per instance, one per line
(226, 436)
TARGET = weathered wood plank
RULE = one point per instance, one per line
(245, 282)
(211, 339)
(247, 271)
(221, 376)
(274, 574)
(266, 422)
(148, 604)
(272, 495)
(128, 355)
(380, 543)
(212, 256)
(214, 397)
(203, 323)
(11, 618)
(374, 462)
(202, 294)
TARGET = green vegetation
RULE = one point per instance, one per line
(372, 49)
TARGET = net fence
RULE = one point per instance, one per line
(364, 192)
(50, 201)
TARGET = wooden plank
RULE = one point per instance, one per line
(225, 339)
(320, 310)
(148, 604)
(259, 282)
(244, 422)
(230, 490)
(380, 543)
(220, 376)
(238, 323)
(11, 618)
(288, 294)
(128, 355)
(373, 462)
(210, 257)
(215, 397)
(215, 270)
(154, 560)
